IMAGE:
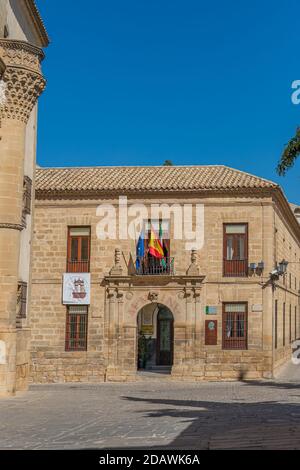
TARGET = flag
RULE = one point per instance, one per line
(155, 246)
(163, 261)
(140, 251)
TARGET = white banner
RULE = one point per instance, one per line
(77, 289)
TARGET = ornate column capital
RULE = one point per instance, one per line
(21, 77)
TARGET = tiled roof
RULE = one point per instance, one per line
(152, 178)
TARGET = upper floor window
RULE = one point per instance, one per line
(235, 250)
(79, 245)
(153, 248)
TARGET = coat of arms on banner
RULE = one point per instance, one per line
(77, 289)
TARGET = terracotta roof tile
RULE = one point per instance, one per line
(132, 179)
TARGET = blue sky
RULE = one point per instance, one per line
(194, 81)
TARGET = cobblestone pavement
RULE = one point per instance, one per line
(156, 414)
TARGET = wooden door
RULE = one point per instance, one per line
(165, 337)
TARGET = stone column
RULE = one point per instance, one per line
(21, 84)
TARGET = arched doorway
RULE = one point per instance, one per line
(155, 337)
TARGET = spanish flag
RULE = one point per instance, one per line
(155, 246)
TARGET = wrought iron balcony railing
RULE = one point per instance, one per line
(154, 266)
(74, 266)
(235, 268)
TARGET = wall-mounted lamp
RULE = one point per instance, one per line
(280, 270)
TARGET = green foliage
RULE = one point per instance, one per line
(290, 154)
(168, 163)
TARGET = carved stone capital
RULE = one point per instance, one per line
(21, 78)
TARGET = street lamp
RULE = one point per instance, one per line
(282, 267)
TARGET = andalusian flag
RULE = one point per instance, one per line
(155, 246)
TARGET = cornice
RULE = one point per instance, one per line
(9, 226)
(287, 212)
(92, 194)
(37, 21)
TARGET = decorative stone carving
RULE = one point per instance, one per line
(22, 78)
(117, 270)
(153, 296)
(193, 269)
(129, 295)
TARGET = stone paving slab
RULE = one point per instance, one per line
(156, 414)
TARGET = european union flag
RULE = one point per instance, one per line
(140, 251)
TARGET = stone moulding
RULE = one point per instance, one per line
(18, 227)
(22, 77)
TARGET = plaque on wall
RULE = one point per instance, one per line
(211, 332)
(147, 330)
(77, 289)
(210, 310)
(257, 308)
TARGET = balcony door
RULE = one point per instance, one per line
(165, 337)
(235, 250)
(79, 249)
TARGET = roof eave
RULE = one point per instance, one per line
(38, 22)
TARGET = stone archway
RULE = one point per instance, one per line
(155, 337)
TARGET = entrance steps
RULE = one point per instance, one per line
(155, 372)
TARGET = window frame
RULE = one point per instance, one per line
(83, 264)
(229, 265)
(68, 339)
(236, 343)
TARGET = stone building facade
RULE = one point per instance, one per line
(22, 37)
(224, 307)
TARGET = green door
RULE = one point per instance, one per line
(165, 335)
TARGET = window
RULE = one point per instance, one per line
(235, 326)
(235, 250)
(27, 191)
(6, 32)
(147, 263)
(76, 328)
(79, 242)
(22, 300)
(283, 325)
(276, 324)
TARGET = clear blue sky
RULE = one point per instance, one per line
(137, 82)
